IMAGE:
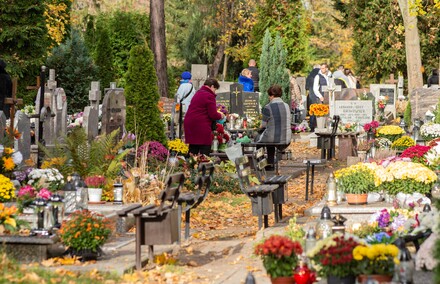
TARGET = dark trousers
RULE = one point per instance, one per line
(270, 150)
(199, 149)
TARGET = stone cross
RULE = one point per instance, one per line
(91, 113)
(13, 102)
(331, 88)
(391, 80)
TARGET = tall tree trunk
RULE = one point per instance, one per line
(412, 47)
(217, 60)
(158, 44)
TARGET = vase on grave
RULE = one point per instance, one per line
(356, 199)
(362, 155)
(320, 122)
(95, 194)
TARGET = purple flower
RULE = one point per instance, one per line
(20, 175)
(398, 222)
(155, 150)
(384, 218)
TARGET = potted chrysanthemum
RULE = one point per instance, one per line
(280, 256)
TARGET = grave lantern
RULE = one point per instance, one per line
(331, 191)
(118, 193)
(82, 195)
(38, 204)
(57, 209)
(324, 227)
(69, 197)
(405, 268)
(310, 240)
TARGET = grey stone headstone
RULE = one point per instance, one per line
(302, 85)
(422, 100)
(95, 94)
(90, 123)
(51, 83)
(113, 111)
(59, 108)
(2, 124)
(224, 99)
(354, 111)
(199, 74)
(388, 90)
(224, 86)
(23, 125)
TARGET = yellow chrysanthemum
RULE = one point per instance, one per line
(8, 151)
(8, 163)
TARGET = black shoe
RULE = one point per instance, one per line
(269, 168)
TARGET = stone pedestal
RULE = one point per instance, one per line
(354, 213)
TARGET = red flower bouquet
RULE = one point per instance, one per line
(280, 255)
(333, 256)
(371, 126)
(222, 136)
(416, 153)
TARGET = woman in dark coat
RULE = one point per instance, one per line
(5, 88)
(202, 112)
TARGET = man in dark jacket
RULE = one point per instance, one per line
(255, 74)
(311, 98)
(433, 78)
(5, 88)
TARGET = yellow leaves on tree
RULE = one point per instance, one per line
(57, 19)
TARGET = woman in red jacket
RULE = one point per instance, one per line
(202, 112)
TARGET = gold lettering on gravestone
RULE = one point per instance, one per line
(236, 93)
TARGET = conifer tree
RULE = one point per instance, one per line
(75, 70)
(264, 83)
(407, 114)
(104, 56)
(273, 68)
(142, 93)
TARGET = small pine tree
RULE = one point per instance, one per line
(75, 70)
(437, 113)
(273, 68)
(103, 56)
(264, 83)
(143, 116)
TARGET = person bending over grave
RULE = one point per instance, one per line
(5, 88)
(275, 124)
(199, 118)
(246, 80)
(186, 91)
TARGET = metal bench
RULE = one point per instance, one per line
(279, 196)
(311, 163)
(189, 200)
(260, 195)
(279, 148)
(327, 140)
(156, 224)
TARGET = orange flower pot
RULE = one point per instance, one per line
(356, 199)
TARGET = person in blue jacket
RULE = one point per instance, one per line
(246, 80)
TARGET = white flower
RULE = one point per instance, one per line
(17, 157)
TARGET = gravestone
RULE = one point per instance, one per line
(91, 113)
(23, 125)
(199, 73)
(302, 85)
(59, 107)
(354, 111)
(422, 100)
(113, 110)
(224, 86)
(2, 124)
(386, 90)
(239, 102)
